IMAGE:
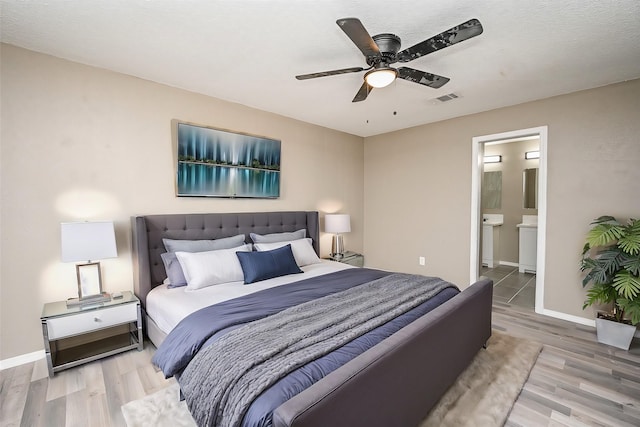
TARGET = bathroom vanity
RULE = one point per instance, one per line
(491, 239)
(528, 244)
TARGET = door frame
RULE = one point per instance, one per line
(477, 157)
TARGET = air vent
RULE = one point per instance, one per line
(448, 97)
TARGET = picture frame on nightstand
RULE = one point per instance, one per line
(89, 286)
(89, 280)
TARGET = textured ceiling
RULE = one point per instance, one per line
(248, 51)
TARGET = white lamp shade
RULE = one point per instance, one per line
(87, 241)
(337, 223)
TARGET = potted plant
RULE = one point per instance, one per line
(611, 260)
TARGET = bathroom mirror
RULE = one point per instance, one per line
(530, 188)
(492, 190)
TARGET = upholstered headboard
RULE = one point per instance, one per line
(149, 230)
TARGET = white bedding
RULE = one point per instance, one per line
(167, 307)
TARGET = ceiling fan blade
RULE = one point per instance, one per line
(354, 29)
(363, 92)
(329, 73)
(462, 32)
(432, 80)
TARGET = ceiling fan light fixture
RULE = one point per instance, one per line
(380, 77)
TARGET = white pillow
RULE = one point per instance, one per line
(302, 250)
(202, 269)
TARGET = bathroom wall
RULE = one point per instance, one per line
(512, 165)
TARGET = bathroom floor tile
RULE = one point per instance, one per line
(512, 287)
(525, 298)
(517, 281)
(504, 292)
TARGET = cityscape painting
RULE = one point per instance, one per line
(218, 163)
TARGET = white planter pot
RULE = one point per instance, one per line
(615, 334)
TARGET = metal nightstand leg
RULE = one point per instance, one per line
(47, 348)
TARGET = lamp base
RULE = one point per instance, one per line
(337, 247)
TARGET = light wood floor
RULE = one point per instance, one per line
(88, 395)
(575, 382)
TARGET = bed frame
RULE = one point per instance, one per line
(395, 383)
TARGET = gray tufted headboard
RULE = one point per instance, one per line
(148, 232)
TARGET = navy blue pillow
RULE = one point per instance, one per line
(265, 265)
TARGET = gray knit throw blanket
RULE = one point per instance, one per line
(222, 380)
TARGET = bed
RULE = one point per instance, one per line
(395, 382)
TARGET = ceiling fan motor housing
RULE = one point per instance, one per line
(389, 45)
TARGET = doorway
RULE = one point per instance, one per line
(478, 150)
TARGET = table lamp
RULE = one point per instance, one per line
(337, 224)
(87, 242)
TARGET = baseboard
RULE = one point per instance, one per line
(510, 264)
(569, 317)
(21, 360)
(575, 319)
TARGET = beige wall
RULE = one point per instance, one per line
(83, 143)
(418, 185)
(512, 165)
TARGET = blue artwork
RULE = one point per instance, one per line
(218, 163)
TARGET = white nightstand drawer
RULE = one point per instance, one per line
(80, 323)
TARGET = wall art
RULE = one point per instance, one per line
(220, 163)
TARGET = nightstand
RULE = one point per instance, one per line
(351, 258)
(82, 334)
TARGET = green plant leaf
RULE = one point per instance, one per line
(600, 293)
(603, 267)
(630, 241)
(626, 284)
(604, 218)
(585, 249)
(604, 234)
(597, 276)
(631, 308)
(632, 264)
(587, 263)
(611, 260)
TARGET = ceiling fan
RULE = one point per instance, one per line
(382, 50)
